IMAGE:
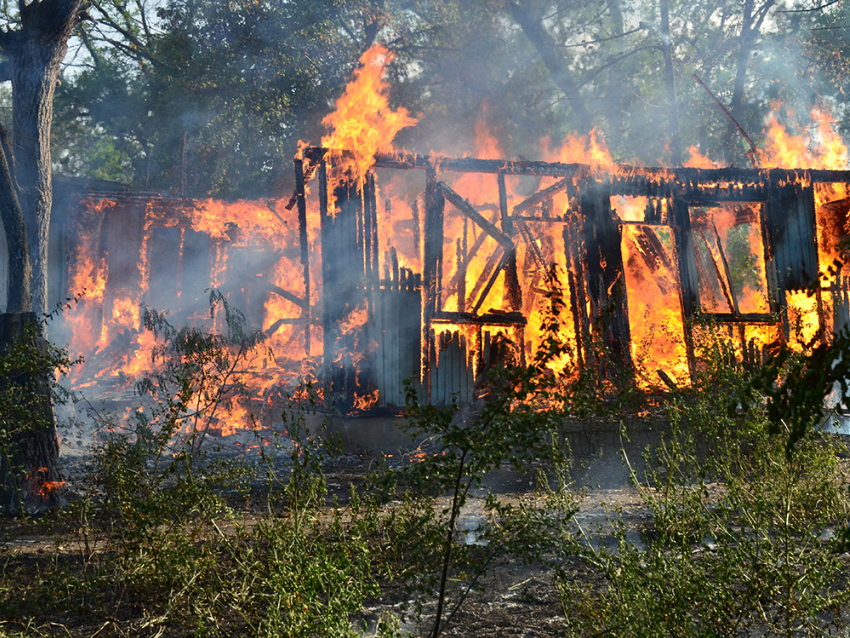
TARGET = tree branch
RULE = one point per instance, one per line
(601, 40)
(140, 50)
(823, 6)
(547, 48)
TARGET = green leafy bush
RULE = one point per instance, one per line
(743, 506)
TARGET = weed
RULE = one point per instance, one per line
(742, 506)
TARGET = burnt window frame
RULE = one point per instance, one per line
(767, 262)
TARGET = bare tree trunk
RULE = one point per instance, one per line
(35, 52)
(33, 84)
(533, 28)
(30, 476)
(669, 80)
(20, 271)
(29, 459)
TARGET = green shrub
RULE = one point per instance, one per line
(177, 534)
(743, 506)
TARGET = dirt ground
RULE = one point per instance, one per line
(514, 599)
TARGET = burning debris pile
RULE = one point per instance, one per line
(387, 266)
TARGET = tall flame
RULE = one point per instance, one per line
(363, 122)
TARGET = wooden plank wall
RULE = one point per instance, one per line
(452, 372)
(790, 224)
(349, 273)
(398, 311)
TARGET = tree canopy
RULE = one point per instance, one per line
(211, 97)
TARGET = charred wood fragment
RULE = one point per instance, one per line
(506, 255)
(491, 318)
(513, 293)
(431, 268)
(495, 261)
(541, 196)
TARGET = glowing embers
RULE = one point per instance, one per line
(730, 258)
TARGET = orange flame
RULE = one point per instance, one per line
(366, 401)
(697, 160)
(363, 122)
(825, 149)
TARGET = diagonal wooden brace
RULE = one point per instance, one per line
(466, 208)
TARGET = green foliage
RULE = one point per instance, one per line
(744, 506)
(234, 85)
(194, 541)
(229, 88)
(795, 387)
(739, 538)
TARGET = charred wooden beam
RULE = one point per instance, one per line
(545, 220)
(513, 293)
(304, 245)
(541, 196)
(431, 270)
(473, 165)
(688, 277)
(506, 255)
(289, 296)
(295, 321)
(743, 318)
(574, 251)
(466, 208)
(461, 274)
(605, 274)
(495, 261)
(534, 249)
(734, 305)
(748, 178)
(727, 291)
(416, 233)
(496, 319)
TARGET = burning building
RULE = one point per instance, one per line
(413, 272)
(387, 266)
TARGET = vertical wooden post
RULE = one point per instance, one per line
(513, 292)
(325, 229)
(305, 248)
(687, 266)
(431, 269)
(606, 283)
